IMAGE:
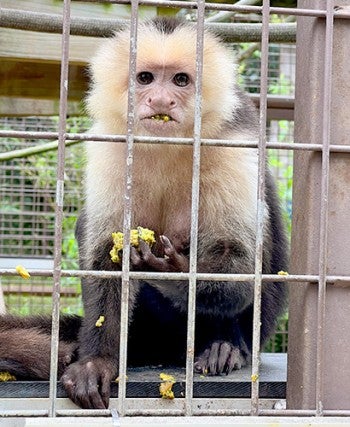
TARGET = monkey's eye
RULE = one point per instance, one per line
(181, 79)
(145, 77)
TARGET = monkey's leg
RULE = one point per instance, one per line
(157, 333)
(233, 350)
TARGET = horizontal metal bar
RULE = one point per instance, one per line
(200, 410)
(137, 275)
(230, 8)
(98, 27)
(305, 413)
(24, 413)
(174, 141)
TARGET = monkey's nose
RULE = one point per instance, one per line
(161, 103)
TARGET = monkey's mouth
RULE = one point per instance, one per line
(160, 124)
(161, 117)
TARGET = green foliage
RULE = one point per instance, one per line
(284, 168)
(37, 176)
(69, 243)
(249, 68)
(278, 343)
(25, 305)
(281, 86)
(249, 55)
(28, 215)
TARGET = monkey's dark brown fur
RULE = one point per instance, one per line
(25, 345)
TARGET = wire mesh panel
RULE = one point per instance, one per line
(27, 214)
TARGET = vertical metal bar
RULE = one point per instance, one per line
(194, 207)
(261, 213)
(59, 207)
(321, 297)
(124, 312)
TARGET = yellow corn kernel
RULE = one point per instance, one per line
(6, 376)
(135, 234)
(283, 273)
(99, 321)
(22, 272)
(165, 387)
(254, 378)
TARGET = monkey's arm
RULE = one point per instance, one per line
(87, 381)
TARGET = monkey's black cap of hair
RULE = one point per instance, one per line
(166, 25)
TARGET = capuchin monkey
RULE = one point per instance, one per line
(161, 201)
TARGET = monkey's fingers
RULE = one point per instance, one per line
(150, 260)
(145, 258)
(105, 388)
(212, 358)
(169, 249)
(221, 357)
(219, 362)
(176, 259)
(136, 259)
(236, 360)
(87, 383)
(200, 364)
(82, 389)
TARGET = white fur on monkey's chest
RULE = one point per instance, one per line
(162, 206)
(162, 184)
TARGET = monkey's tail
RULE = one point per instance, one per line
(25, 345)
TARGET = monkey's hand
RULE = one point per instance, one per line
(221, 357)
(87, 382)
(172, 261)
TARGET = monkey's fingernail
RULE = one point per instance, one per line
(165, 241)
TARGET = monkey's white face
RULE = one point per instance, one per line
(164, 99)
(166, 64)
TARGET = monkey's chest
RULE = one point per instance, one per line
(166, 209)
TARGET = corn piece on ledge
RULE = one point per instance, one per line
(6, 376)
(165, 387)
(135, 234)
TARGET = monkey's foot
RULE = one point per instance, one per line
(220, 358)
(87, 382)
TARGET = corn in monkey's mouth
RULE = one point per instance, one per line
(163, 117)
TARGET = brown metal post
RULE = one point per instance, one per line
(320, 381)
